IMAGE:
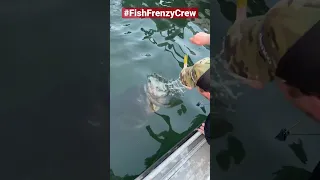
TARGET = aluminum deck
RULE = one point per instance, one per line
(190, 161)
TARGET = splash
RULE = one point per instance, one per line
(227, 87)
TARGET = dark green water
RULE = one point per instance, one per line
(51, 81)
(250, 150)
(141, 47)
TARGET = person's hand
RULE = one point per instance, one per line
(201, 39)
(201, 129)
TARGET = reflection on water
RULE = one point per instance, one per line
(255, 8)
(167, 140)
(292, 173)
(164, 136)
(234, 152)
(153, 46)
(171, 28)
(126, 177)
(298, 150)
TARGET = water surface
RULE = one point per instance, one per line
(140, 47)
(51, 80)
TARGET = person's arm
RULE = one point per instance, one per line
(241, 10)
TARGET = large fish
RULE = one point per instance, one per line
(133, 108)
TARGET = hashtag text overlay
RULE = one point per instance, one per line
(169, 13)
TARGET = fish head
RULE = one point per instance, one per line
(161, 92)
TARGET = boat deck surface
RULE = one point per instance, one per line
(191, 161)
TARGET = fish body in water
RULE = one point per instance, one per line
(162, 92)
(132, 108)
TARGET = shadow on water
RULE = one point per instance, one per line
(169, 29)
(226, 91)
(169, 47)
(169, 35)
(234, 152)
(299, 151)
(126, 177)
(292, 173)
(169, 138)
(256, 8)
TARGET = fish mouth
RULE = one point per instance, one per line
(156, 88)
(160, 92)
